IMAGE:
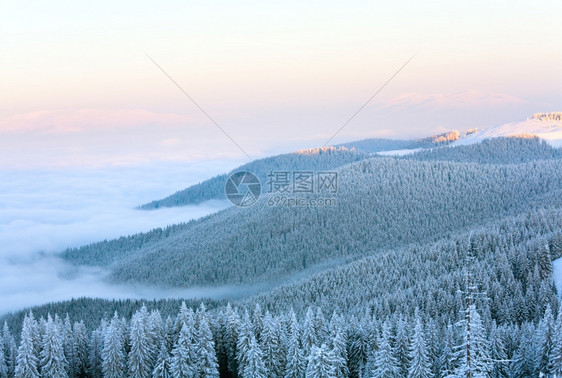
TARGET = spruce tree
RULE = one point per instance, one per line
(320, 326)
(207, 364)
(402, 346)
(524, 360)
(68, 343)
(155, 334)
(296, 361)
(169, 333)
(3, 366)
(544, 261)
(96, 350)
(544, 339)
(448, 357)
(10, 349)
(53, 362)
(232, 328)
(555, 359)
(309, 335)
(245, 336)
(80, 349)
(384, 363)
(497, 353)
(162, 369)
(359, 350)
(27, 364)
(185, 316)
(271, 346)
(338, 343)
(321, 363)
(254, 366)
(420, 367)
(257, 322)
(140, 356)
(474, 351)
(36, 334)
(113, 355)
(183, 362)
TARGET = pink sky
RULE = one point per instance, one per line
(77, 87)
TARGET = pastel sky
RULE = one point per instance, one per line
(76, 86)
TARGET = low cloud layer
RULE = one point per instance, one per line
(44, 212)
(80, 120)
(472, 100)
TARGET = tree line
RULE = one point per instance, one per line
(235, 342)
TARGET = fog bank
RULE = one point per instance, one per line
(42, 212)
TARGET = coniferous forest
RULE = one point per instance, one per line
(280, 189)
(434, 264)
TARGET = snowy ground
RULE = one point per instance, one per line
(550, 131)
(557, 274)
(399, 152)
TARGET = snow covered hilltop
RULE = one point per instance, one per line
(547, 126)
(437, 263)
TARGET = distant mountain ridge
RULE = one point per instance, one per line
(374, 145)
(382, 203)
(547, 126)
(500, 150)
(316, 159)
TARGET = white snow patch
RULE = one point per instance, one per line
(549, 130)
(399, 152)
(557, 274)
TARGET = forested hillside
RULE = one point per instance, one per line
(239, 342)
(424, 258)
(504, 150)
(498, 150)
(317, 159)
(413, 310)
(510, 260)
(382, 203)
(374, 145)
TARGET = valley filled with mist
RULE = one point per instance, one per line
(422, 235)
(294, 189)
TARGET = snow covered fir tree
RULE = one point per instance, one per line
(239, 342)
(434, 264)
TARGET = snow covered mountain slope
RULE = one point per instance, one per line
(547, 126)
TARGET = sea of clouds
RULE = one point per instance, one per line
(44, 211)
